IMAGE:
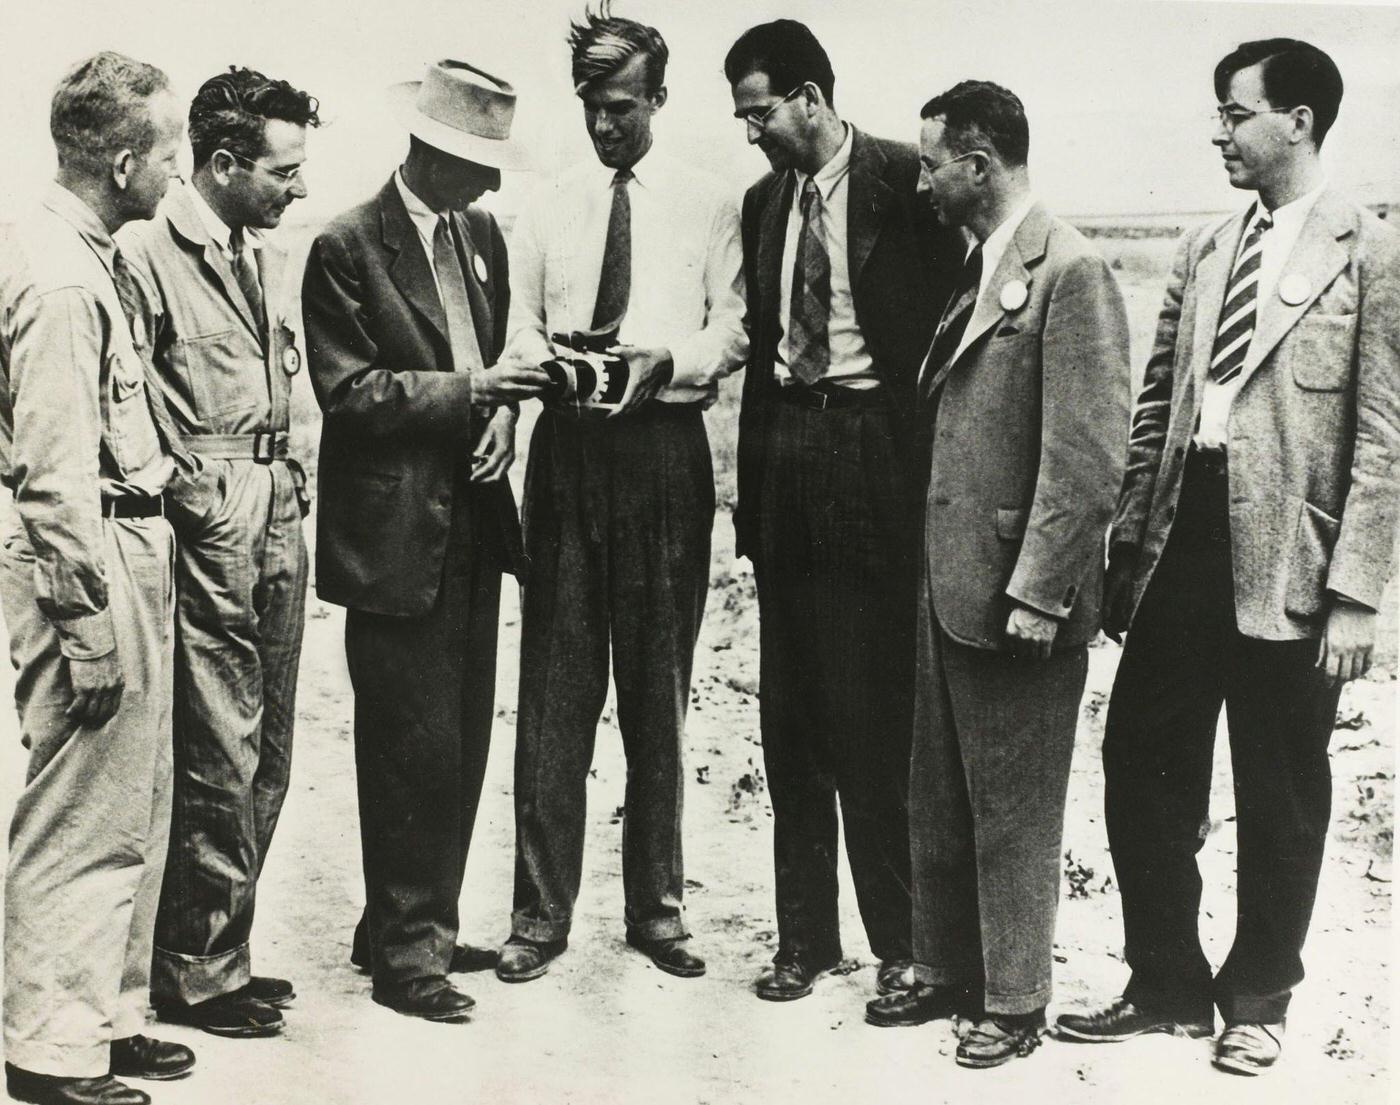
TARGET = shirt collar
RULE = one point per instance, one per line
(425, 219)
(219, 230)
(1291, 214)
(834, 171)
(1000, 238)
(641, 173)
(84, 220)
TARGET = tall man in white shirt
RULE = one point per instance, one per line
(1254, 534)
(618, 510)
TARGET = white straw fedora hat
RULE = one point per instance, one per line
(463, 111)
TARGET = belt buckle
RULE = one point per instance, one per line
(820, 399)
(270, 437)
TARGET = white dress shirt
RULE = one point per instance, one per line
(425, 221)
(219, 230)
(850, 364)
(687, 291)
(1275, 246)
(993, 250)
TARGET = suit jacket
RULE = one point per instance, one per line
(398, 420)
(1028, 442)
(1314, 430)
(902, 266)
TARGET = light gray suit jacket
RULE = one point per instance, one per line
(1314, 431)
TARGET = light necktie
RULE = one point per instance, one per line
(246, 272)
(615, 277)
(133, 307)
(1241, 298)
(809, 313)
(956, 315)
(452, 286)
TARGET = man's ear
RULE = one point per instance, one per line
(123, 165)
(658, 99)
(221, 163)
(1303, 123)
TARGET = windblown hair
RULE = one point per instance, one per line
(980, 115)
(603, 43)
(230, 111)
(100, 108)
(1296, 74)
(787, 53)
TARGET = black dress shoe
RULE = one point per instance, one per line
(234, 1014)
(467, 958)
(998, 1038)
(276, 992)
(789, 978)
(143, 1057)
(521, 959)
(894, 975)
(1122, 1021)
(431, 999)
(918, 1005)
(671, 955)
(49, 1089)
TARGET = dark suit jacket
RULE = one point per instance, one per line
(1314, 429)
(398, 420)
(1029, 442)
(902, 266)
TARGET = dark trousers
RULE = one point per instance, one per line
(836, 619)
(993, 740)
(424, 693)
(618, 516)
(1184, 657)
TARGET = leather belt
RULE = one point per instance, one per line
(133, 506)
(821, 398)
(262, 447)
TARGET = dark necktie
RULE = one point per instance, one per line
(809, 313)
(133, 307)
(615, 278)
(956, 315)
(1237, 316)
(245, 269)
(452, 287)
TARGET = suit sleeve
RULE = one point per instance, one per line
(1084, 419)
(721, 345)
(354, 383)
(1365, 548)
(1148, 435)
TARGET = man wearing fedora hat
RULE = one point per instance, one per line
(405, 300)
(644, 250)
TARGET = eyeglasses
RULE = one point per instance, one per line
(929, 170)
(1231, 117)
(286, 176)
(757, 122)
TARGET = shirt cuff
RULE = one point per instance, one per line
(87, 636)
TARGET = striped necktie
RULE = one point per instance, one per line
(956, 315)
(809, 313)
(1237, 316)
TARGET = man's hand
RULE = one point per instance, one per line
(1118, 592)
(1030, 634)
(649, 370)
(1347, 640)
(97, 689)
(496, 452)
(508, 382)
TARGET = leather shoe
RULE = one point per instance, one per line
(670, 954)
(999, 1038)
(431, 999)
(467, 958)
(234, 1014)
(49, 1089)
(276, 992)
(1123, 1020)
(894, 976)
(142, 1057)
(1248, 1047)
(919, 1004)
(789, 978)
(521, 959)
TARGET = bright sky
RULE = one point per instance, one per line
(1118, 91)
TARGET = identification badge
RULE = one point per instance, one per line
(291, 360)
(1294, 289)
(479, 266)
(1013, 295)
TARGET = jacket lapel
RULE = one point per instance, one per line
(771, 232)
(1026, 248)
(187, 223)
(1317, 258)
(409, 268)
(867, 199)
(1211, 277)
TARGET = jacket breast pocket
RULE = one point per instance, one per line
(131, 432)
(1320, 351)
(1309, 560)
(215, 364)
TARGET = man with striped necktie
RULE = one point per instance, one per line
(1251, 545)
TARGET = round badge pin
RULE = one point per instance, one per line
(1294, 289)
(1013, 295)
(291, 360)
(480, 266)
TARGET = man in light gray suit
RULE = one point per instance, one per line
(1254, 532)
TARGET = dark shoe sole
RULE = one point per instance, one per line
(898, 1022)
(152, 1076)
(679, 972)
(434, 1018)
(1237, 1066)
(239, 1032)
(782, 995)
(976, 1063)
(1184, 1031)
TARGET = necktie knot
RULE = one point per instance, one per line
(810, 194)
(623, 177)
